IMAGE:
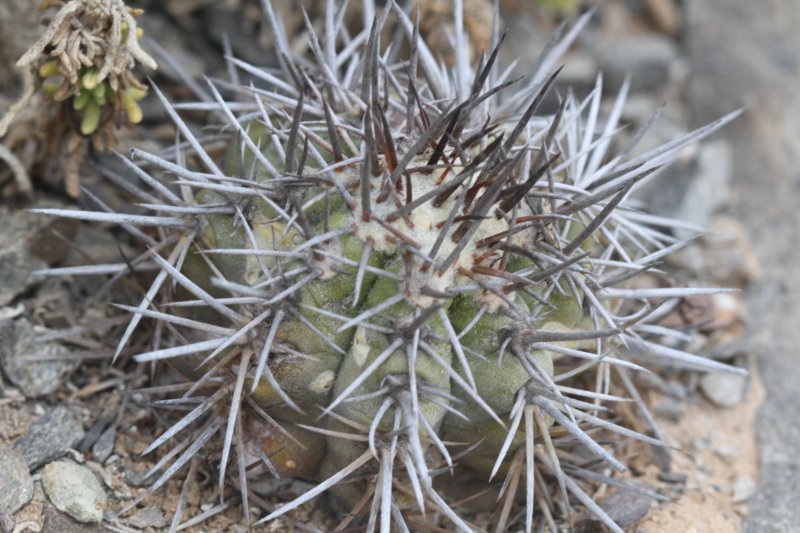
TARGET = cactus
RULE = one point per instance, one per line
(399, 274)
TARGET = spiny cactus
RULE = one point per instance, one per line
(401, 274)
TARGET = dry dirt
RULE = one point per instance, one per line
(718, 450)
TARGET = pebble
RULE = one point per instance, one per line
(100, 439)
(743, 488)
(724, 389)
(664, 193)
(34, 378)
(708, 191)
(16, 484)
(699, 443)
(28, 243)
(626, 508)
(672, 477)
(649, 59)
(74, 489)
(728, 254)
(579, 72)
(104, 446)
(94, 433)
(148, 517)
(728, 452)
(726, 309)
(50, 436)
(670, 409)
(16, 262)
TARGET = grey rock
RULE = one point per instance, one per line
(148, 517)
(743, 488)
(670, 409)
(27, 243)
(104, 446)
(728, 452)
(724, 389)
(624, 507)
(93, 434)
(16, 263)
(661, 457)
(709, 190)
(74, 489)
(579, 72)
(100, 439)
(699, 443)
(652, 61)
(728, 253)
(665, 191)
(673, 477)
(57, 522)
(34, 377)
(16, 485)
(49, 437)
(525, 33)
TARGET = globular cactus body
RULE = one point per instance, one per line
(402, 271)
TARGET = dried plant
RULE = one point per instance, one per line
(84, 61)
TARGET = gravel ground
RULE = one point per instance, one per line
(746, 53)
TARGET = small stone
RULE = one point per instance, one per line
(672, 477)
(27, 243)
(148, 517)
(728, 452)
(650, 59)
(726, 310)
(94, 433)
(724, 389)
(728, 254)
(676, 389)
(670, 409)
(661, 457)
(699, 443)
(50, 436)
(664, 193)
(626, 508)
(74, 489)
(16, 262)
(104, 446)
(16, 485)
(743, 488)
(34, 378)
(579, 72)
(708, 191)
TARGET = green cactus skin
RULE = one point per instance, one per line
(401, 272)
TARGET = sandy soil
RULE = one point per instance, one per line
(720, 459)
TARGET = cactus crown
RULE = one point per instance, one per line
(402, 271)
